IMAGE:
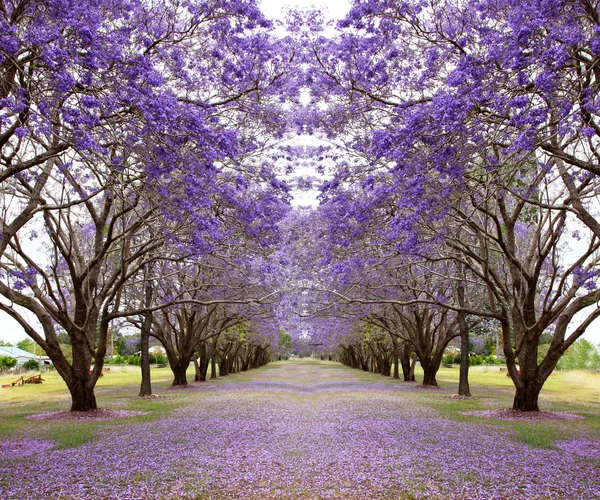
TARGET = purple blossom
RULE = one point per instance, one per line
(303, 431)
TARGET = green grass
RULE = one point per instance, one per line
(117, 389)
(570, 391)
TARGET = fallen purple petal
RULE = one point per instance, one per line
(296, 432)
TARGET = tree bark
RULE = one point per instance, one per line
(408, 369)
(146, 385)
(429, 373)
(411, 372)
(386, 367)
(179, 373)
(213, 367)
(223, 366)
(463, 378)
(80, 380)
(197, 377)
(395, 357)
(82, 398)
(213, 358)
(526, 398)
(204, 362)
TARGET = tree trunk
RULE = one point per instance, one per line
(146, 386)
(204, 362)
(179, 373)
(197, 377)
(82, 398)
(386, 367)
(395, 357)
(79, 379)
(213, 358)
(408, 370)
(223, 366)
(526, 376)
(526, 399)
(463, 378)
(430, 369)
(429, 376)
(213, 366)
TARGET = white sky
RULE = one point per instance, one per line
(335, 9)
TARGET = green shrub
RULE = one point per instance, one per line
(116, 360)
(31, 365)
(454, 359)
(490, 359)
(7, 362)
(158, 359)
(448, 359)
(134, 360)
(475, 360)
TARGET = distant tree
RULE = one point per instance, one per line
(26, 345)
(129, 345)
(285, 343)
(582, 355)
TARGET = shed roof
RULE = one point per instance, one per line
(15, 352)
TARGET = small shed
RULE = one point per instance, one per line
(22, 356)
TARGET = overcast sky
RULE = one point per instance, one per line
(335, 9)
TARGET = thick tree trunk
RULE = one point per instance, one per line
(386, 367)
(80, 380)
(197, 377)
(204, 362)
(201, 363)
(146, 385)
(396, 368)
(82, 398)
(429, 377)
(408, 368)
(526, 399)
(179, 373)
(527, 377)
(429, 372)
(223, 372)
(463, 377)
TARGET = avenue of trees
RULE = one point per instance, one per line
(472, 191)
(130, 180)
(147, 154)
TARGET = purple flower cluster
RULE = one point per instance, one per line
(304, 432)
(23, 448)
(583, 447)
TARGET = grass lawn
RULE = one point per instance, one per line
(117, 389)
(300, 429)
